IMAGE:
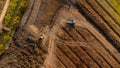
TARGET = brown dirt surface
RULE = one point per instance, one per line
(81, 46)
(2, 2)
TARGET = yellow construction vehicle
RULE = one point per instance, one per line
(41, 37)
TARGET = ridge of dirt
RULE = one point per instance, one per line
(105, 46)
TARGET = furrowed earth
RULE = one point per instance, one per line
(93, 42)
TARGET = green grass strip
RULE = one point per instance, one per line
(12, 20)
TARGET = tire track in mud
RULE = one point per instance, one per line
(95, 19)
(31, 53)
(50, 58)
(99, 37)
(97, 59)
(35, 16)
(67, 47)
(102, 40)
(87, 49)
(107, 50)
(34, 12)
(27, 14)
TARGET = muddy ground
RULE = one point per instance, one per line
(81, 46)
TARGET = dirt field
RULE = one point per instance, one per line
(2, 2)
(82, 46)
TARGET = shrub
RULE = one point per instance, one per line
(12, 20)
(1, 49)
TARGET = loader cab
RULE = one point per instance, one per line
(41, 37)
(70, 23)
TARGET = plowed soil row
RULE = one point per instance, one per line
(75, 45)
(101, 19)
